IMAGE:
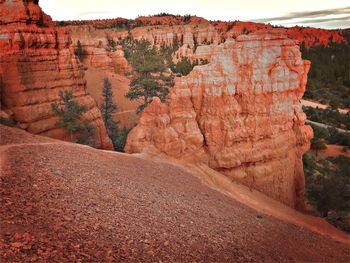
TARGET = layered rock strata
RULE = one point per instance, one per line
(240, 114)
(36, 63)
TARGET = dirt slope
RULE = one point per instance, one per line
(61, 201)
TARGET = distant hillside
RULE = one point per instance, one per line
(306, 35)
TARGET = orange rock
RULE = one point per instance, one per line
(36, 62)
(240, 114)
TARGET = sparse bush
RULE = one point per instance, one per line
(331, 135)
(187, 19)
(7, 122)
(185, 66)
(111, 45)
(245, 31)
(230, 26)
(165, 14)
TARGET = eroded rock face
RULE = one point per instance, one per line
(36, 63)
(240, 114)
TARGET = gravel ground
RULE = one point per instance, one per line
(62, 202)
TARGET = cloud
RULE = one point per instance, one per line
(321, 20)
(307, 15)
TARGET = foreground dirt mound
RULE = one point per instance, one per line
(62, 201)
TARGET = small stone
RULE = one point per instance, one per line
(16, 244)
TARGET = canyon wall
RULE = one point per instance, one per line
(196, 36)
(162, 29)
(240, 114)
(101, 62)
(37, 61)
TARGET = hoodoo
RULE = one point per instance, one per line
(240, 114)
(36, 63)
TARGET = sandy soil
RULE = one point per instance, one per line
(315, 104)
(333, 150)
(126, 111)
(65, 202)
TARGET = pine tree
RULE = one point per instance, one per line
(120, 141)
(148, 80)
(108, 107)
(69, 118)
(79, 51)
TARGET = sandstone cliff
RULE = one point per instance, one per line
(36, 62)
(240, 114)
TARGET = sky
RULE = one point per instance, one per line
(314, 13)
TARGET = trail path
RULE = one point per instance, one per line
(315, 105)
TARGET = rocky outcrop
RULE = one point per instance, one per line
(36, 63)
(240, 114)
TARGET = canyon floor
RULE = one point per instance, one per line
(62, 201)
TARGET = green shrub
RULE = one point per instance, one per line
(7, 122)
(185, 66)
(111, 45)
(331, 135)
(69, 118)
(121, 138)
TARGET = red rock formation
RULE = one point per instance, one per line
(155, 28)
(36, 62)
(240, 114)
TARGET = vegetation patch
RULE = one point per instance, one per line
(330, 135)
(328, 187)
(329, 78)
(151, 77)
(185, 66)
(328, 116)
(108, 108)
(70, 113)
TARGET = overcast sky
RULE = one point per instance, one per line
(314, 13)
